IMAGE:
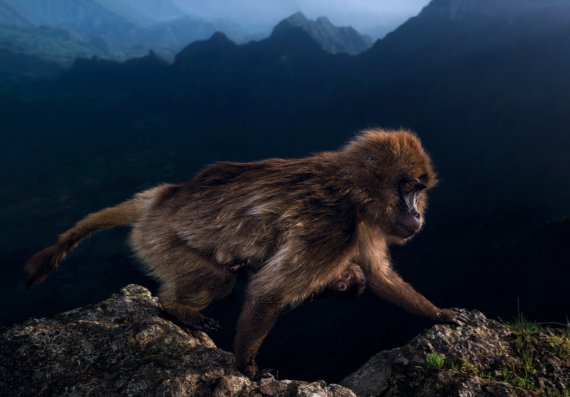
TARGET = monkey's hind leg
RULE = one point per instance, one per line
(258, 316)
(185, 295)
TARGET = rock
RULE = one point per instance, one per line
(483, 358)
(124, 346)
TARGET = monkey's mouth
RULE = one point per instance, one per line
(403, 231)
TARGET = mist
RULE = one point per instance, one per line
(375, 18)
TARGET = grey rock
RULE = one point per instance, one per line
(481, 358)
(124, 346)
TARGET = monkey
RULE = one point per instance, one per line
(295, 224)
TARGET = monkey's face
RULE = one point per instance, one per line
(393, 176)
(408, 216)
(397, 205)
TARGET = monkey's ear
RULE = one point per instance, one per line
(429, 180)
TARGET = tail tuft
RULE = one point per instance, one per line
(41, 264)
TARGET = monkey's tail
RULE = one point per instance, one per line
(42, 263)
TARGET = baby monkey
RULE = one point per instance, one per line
(349, 284)
(300, 227)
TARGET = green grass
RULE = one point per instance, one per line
(435, 361)
(531, 338)
(523, 326)
(531, 342)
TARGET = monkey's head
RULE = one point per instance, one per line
(391, 174)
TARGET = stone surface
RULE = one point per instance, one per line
(126, 346)
(482, 358)
(123, 346)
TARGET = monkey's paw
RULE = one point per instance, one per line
(209, 324)
(266, 373)
(193, 323)
(453, 316)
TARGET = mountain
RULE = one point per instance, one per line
(331, 38)
(88, 16)
(497, 70)
(152, 11)
(52, 45)
(504, 10)
(17, 67)
(89, 19)
(115, 29)
(181, 31)
(458, 28)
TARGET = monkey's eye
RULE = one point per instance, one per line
(408, 187)
(415, 185)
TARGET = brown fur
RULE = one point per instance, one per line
(295, 224)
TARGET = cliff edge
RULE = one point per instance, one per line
(480, 359)
(125, 346)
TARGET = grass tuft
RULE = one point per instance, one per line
(435, 361)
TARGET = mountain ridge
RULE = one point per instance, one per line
(331, 38)
(151, 10)
(127, 28)
(122, 29)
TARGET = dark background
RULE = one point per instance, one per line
(486, 85)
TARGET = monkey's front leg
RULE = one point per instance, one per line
(257, 317)
(386, 283)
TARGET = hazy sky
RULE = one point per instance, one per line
(369, 16)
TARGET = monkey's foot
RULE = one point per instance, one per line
(209, 324)
(251, 370)
(193, 323)
(202, 323)
(266, 373)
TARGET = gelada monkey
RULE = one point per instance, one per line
(296, 224)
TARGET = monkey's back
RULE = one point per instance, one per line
(244, 212)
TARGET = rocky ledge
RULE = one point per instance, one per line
(482, 358)
(124, 346)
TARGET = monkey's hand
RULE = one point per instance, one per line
(453, 316)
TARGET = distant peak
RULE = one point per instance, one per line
(217, 42)
(324, 20)
(219, 39)
(219, 36)
(297, 17)
(331, 38)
